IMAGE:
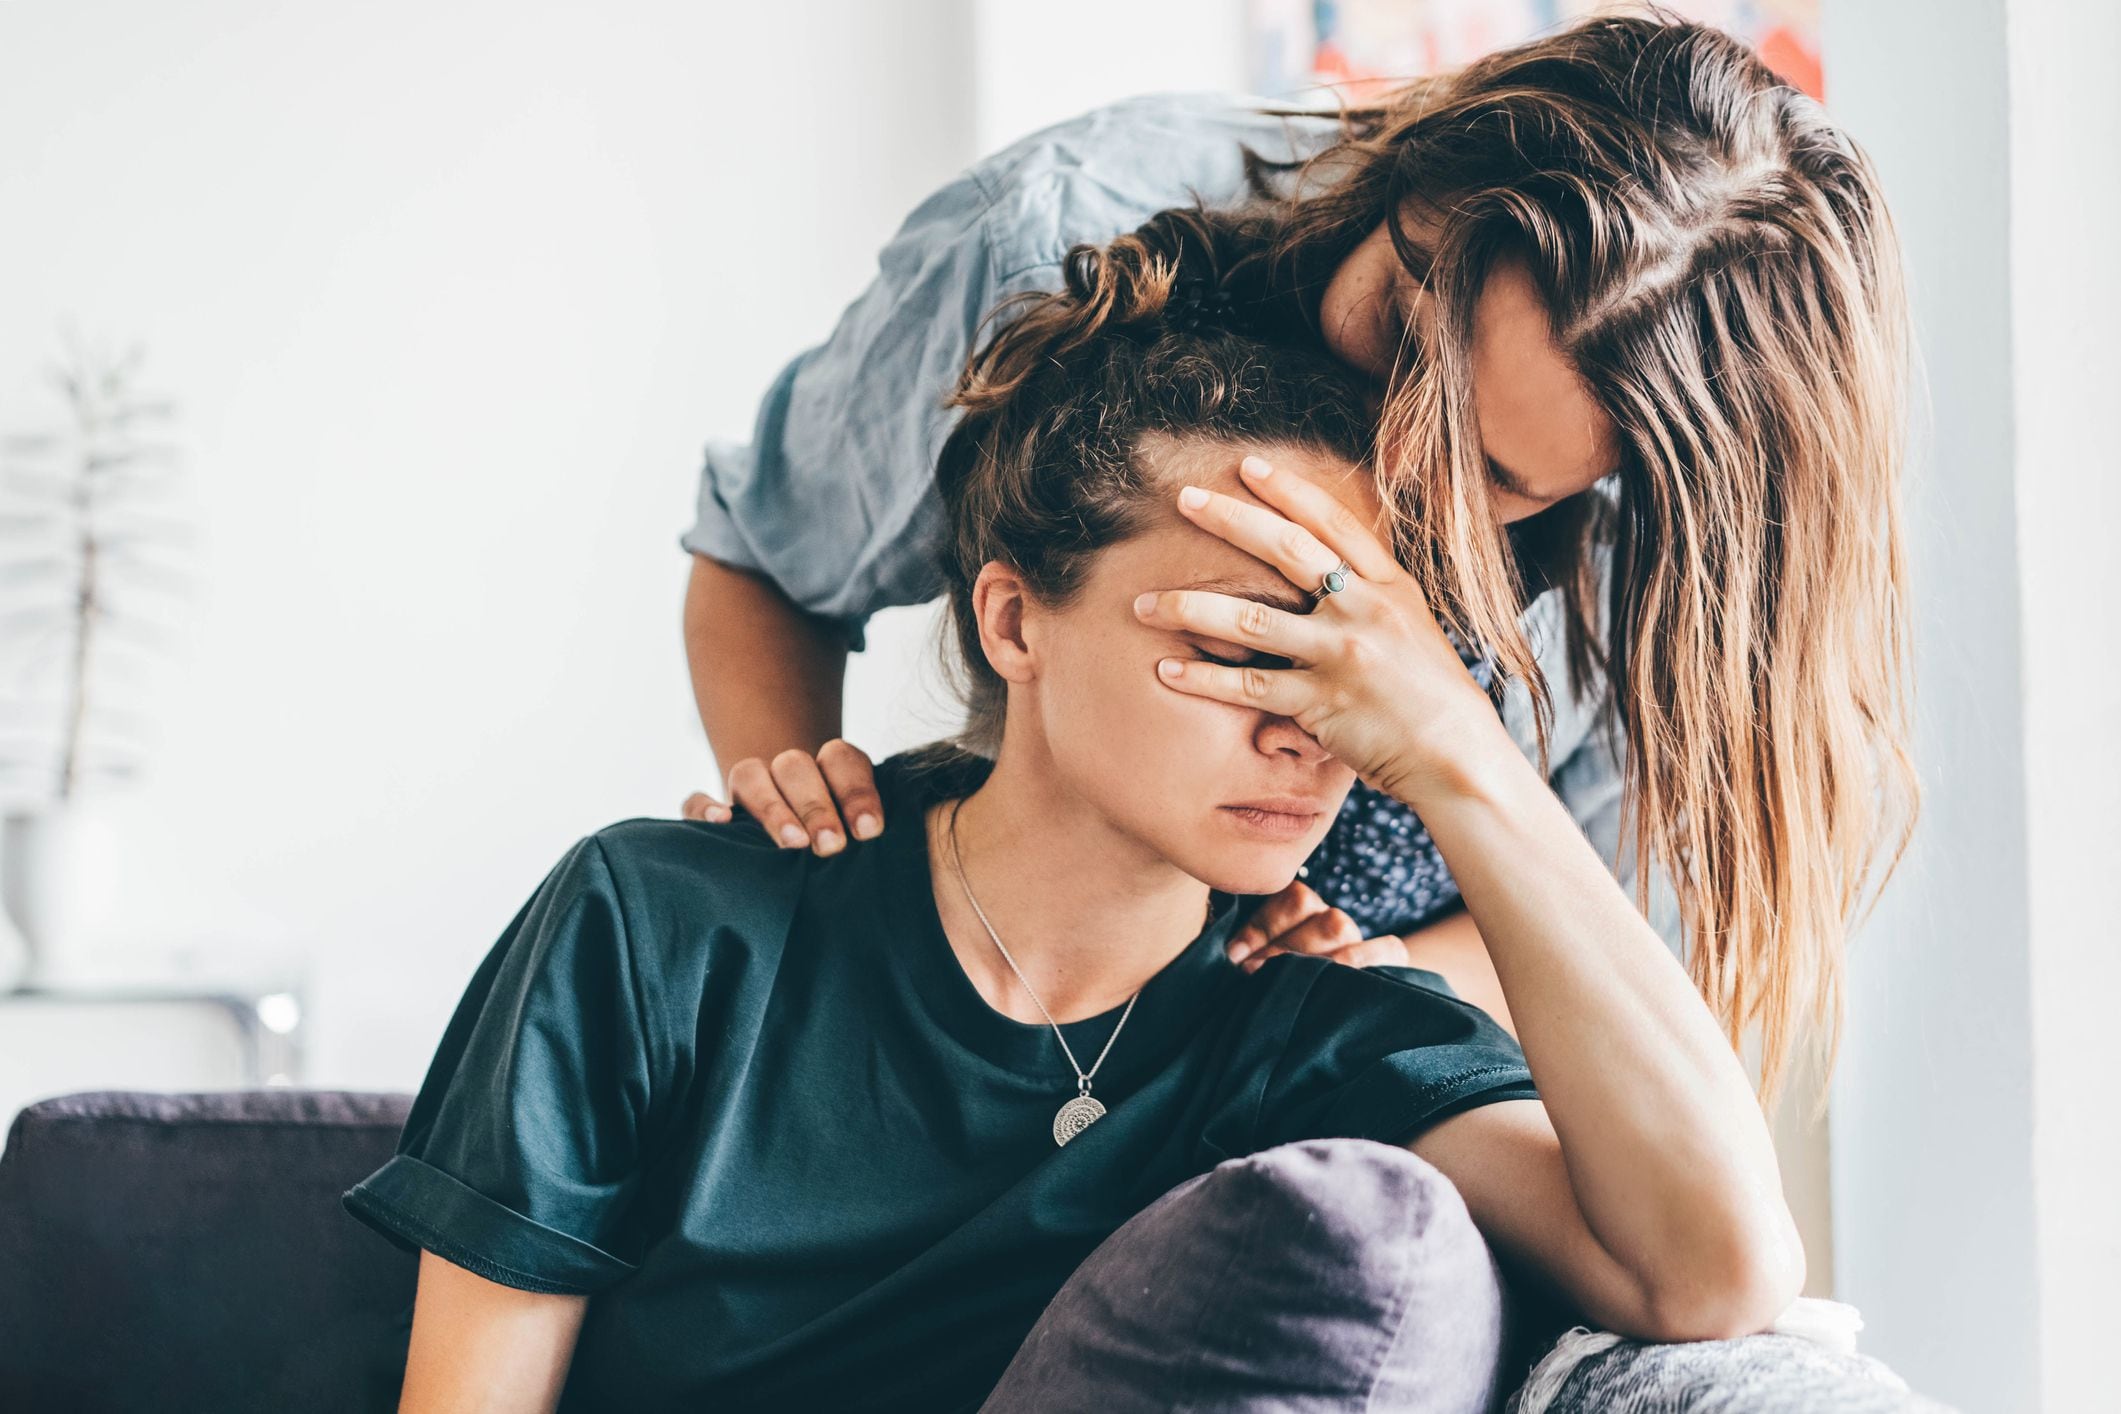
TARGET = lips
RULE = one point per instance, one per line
(1279, 805)
(1278, 818)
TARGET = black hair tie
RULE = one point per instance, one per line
(1199, 305)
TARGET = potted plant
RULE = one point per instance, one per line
(85, 537)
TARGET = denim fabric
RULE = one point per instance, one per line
(834, 499)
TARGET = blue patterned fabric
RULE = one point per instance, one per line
(1379, 864)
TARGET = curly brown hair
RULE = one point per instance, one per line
(1146, 340)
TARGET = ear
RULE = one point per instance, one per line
(999, 601)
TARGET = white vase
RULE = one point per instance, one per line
(39, 888)
(14, 954)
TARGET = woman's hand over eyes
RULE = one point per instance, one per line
(1368, 671)
(804, 801)
(1298, 920)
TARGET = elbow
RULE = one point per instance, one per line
(1738, 1286)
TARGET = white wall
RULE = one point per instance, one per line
(1975, 1140)
(1932, 1102)
(1035, 64)
(2065, 304)
(450, 297)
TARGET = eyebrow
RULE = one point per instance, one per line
(1293, 601)
(1510, 481)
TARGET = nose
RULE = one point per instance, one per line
(1281, 736)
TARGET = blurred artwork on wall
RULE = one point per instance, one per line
(1362, 48)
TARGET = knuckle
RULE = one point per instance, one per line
(791, 759)
(1343, 522)
(772, 806)
(1296, 543)
(842, 751)
(1254, 682)
(1252, 618)
(760, 797)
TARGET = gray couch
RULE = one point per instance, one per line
(189, 1252)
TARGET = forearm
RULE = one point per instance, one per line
(1667, 1151)
(766, 675)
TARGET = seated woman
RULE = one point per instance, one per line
(725, 1125)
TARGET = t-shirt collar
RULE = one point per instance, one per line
(1165, 1010)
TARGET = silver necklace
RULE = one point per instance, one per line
(1082, 1111)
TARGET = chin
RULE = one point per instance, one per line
(1237, 878)
(1222, 857)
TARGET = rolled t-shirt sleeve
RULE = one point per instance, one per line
(1384, 1053)
(523, 1145)
(834, 499)
(1591, 783)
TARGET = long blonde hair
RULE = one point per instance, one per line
(1718, 261)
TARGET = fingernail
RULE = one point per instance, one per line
(865, 826)
(793, 835)
(719, 813)
(828, 841)
(1238, 951)
(1170, 667)
(1193, 498)
(1143, 603)
(1256, 466)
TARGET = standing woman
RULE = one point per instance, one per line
(1632, 309)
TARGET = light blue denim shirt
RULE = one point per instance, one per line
(834, 496)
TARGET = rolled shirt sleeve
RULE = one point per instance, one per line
(1586, 761)
(833, 498)
(521, 1151)
(1384, 1053)
(1590, 781)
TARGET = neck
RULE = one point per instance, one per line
(1088, 913)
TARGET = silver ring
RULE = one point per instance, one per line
(1335, 581)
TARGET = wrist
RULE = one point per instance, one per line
(1476, 763)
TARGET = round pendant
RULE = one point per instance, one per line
(1075, 1117)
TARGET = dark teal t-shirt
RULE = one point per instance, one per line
(749, 1099)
